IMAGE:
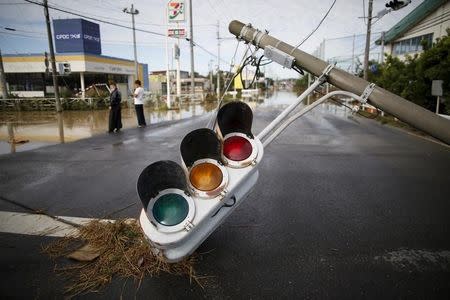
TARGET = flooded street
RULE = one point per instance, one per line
(34, 129)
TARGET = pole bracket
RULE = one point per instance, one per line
(244, 32)
(367, 92)
(325, 73)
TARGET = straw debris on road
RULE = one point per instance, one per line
(102, 250)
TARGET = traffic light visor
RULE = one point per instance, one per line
(200, 144)
(235, 116)
(158, 177)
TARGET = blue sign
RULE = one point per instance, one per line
(76, 35)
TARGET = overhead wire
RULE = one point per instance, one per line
(212, 120)
(315, 29)
(115, 24)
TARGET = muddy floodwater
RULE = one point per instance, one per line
(34, 129)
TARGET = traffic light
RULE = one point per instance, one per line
(46, 63)
(396, 4)
(234, 125)
(183, 204)
(64, 68)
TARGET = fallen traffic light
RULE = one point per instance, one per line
(183, 205)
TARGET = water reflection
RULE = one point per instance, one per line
(33, 129)
(25, 130)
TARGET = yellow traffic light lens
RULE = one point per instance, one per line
(206, 176)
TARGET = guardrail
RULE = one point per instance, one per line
(48, 103)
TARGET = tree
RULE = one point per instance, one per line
(412, 78)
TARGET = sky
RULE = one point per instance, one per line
(288, 20)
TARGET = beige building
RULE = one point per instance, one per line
(427, 22)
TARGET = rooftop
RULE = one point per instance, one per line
(414, 17)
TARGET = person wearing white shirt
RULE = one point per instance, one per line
(139, 103)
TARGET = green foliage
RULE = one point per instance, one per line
(412, 78)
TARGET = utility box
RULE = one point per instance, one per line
(436, 88)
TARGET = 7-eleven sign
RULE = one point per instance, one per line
(176, 11)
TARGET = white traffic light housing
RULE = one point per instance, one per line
(64, 68)
(183, 205)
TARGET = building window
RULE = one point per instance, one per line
(412, 45)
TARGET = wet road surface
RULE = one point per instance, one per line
(344, 208)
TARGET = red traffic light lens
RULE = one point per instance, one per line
(237, 148)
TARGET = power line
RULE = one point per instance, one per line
(23, 35)
(119, 19)
(114, 24)
(96, 19)
(315, 29)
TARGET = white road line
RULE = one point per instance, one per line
(34, 224)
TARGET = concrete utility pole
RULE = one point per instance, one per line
(366, 52)
(177, 58)
(352, 68)
(382, 48)
(395, 105)
(168, 100)
(52, 57)
(3, 78)
(218, 60)
(211, 75)
(132, 11)
(191, 42)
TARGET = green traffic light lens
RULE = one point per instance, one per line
(170, 209)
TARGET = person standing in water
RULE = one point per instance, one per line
(139, 103)
(115, 117)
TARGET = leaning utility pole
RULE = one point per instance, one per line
(218, 60)
(191, 42)
(52, 57)
(366, 52)
(395, 105)
(132, 11)
(3, 78)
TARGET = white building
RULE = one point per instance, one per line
(427, 22)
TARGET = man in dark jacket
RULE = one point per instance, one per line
(115, 117)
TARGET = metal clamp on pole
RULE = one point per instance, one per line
(367, 91)
(325, 73)
(244, 32)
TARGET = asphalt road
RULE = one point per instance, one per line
(344, 208)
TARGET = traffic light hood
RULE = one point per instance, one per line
(199, 144)
(159, 176)
(235, 116)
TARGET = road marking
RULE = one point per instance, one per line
(35, 224)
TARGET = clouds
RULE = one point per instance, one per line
(289, 20)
